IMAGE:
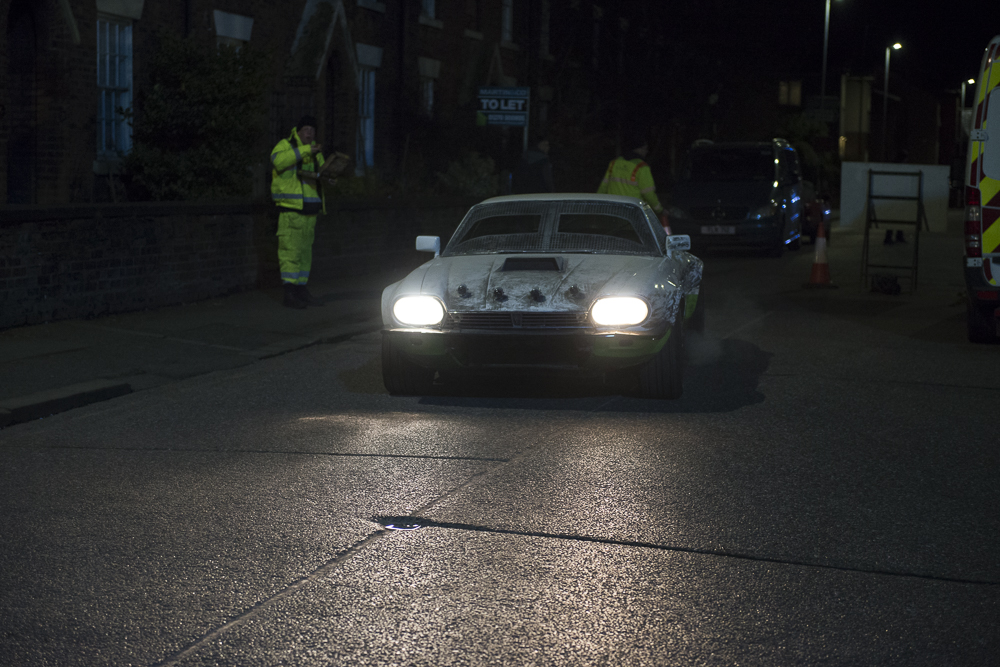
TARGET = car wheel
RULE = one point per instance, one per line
(981, 323)
(663, 375)
(401, 376)
(778, 249)
(698, 316)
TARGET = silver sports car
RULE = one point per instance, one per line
(570, 282)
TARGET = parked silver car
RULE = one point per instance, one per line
(570, 282)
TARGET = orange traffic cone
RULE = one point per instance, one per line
(821, 270)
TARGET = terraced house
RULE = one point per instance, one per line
(393, 82)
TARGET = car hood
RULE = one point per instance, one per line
(662, 281)
(689, 194)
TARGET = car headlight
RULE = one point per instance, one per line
(768, 210)
(619, 311)
(418, 311)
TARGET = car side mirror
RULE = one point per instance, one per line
(429, 244)
(678, 242)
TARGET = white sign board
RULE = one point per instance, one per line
(503, 106)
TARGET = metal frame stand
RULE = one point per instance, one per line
(871, 220)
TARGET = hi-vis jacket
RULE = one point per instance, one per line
(291, 160)
(631, 178)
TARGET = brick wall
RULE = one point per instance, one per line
(90, 260)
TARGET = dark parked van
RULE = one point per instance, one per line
(739, 194)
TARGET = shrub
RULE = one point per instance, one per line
(197, 123)
(473, 175)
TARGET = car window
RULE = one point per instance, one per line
(504, 224)
(598, 224)
(554, 226)
(788, 167)
(730, 164)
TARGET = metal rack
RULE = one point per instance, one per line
(871, 220)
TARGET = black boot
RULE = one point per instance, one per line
(307, 297)
(899, 236)
(292, 298)
(888, 237)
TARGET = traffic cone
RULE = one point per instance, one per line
(820, 276)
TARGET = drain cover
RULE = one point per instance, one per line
(399, 523)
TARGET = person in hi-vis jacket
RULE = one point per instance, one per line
(629, 175)
(298, 195)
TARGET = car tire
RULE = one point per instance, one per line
(982, 326)
(401, 376)
(662, 376)
(698, 316)
(778, 248)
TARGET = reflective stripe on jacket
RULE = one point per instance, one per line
(631, 178)
(288, 160)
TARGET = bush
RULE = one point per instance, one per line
(473, 175)
(197, 123)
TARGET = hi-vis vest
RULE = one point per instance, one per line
(631, 178)
(288, 159)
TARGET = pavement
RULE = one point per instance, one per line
(58, 366)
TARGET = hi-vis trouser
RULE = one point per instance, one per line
(295, 241)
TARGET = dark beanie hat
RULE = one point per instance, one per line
(306, 120)
(633, 136)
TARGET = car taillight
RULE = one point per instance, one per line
(973, 223)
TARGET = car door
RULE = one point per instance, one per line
(790, 185)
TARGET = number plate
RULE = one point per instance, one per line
(974, 261)
(718, 229)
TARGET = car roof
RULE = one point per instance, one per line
(715, 145)
(565, 196)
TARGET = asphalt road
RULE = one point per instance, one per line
(825, 492)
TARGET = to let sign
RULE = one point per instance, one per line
(503, 106)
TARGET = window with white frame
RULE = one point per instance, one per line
(232, 29)
(507, 21)
(427, 96)
(427, 8)
(114, 85)
(429, 70)
(366, 119)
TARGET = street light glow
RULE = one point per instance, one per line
(897, 46)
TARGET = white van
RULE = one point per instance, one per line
(982, 203)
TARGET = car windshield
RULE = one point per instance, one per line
(730, 164)
(554, 226)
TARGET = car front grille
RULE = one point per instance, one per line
(516, 320)
(720, 213)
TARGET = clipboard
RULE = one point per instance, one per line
(331, 169)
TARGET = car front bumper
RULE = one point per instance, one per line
(709, 233)
(506, 350)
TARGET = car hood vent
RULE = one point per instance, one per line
(532, 264)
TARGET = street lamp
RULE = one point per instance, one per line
(885, 99)
(826, 41)
(970, 82)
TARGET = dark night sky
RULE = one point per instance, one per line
(943, 40)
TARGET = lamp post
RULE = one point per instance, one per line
(885, 100)
(826, 41)
(970, 82)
